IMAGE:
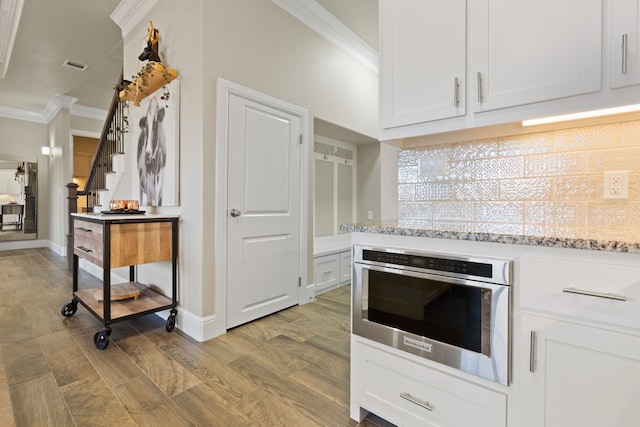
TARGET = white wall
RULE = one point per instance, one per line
(258, 45)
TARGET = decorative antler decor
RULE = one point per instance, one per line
(152, 75)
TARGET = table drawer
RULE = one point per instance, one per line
(586, 290)
(88, 241)
(408, 393)
(90, 230)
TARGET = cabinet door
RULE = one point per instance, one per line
(625, 28)
(345, 267)
(422, 60)
(524, 51)
(578, 375)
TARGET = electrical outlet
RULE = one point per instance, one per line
(369, 214)
(616, 185)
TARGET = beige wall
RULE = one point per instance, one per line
(256, 44)
(547, 183)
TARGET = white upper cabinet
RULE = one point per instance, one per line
(451, 65)
(625, 28)
(523, 51)
(422, 58)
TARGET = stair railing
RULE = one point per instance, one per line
(111, 142)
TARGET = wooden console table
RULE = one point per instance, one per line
(111, 241)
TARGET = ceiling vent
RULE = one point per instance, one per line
(74, 64)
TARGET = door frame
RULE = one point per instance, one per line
(225, 88)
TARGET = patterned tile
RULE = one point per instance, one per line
(433, 191)
(406, 192)
(555, 164)
(555, 230)
(624, 234)
(589, 187)
(461, 171)
(613, 213)
(540, 184)
(526, 189)
(407, 174)
(528, 144)
(557, 213)
(627, 158)
(452, 211)
(601, 136)
(496, 228)
(471, 150)
(508, 167)
(407, 158)
(414, 210)
(630, 133)
(499, 212)
(476, 190)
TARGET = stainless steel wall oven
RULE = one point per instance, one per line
(450, 309)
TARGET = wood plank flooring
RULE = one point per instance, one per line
(287, 369)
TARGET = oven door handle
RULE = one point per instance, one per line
(423, 403)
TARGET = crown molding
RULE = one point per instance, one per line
(17, 114)
(319, 19)
(89, 112)
(10, 12)
(55, 104)
(128, 14)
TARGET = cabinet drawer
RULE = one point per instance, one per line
(408, 393)
(326, 270)
(592, 291)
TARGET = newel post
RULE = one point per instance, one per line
(72, 197)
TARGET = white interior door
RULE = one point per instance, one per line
(263, 208)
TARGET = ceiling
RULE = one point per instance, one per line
(50, 32)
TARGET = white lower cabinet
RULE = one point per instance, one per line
(408, 393)
(578, 375)
(331, 271)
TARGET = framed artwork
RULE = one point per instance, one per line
(155, 128)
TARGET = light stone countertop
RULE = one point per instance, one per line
(394, 228)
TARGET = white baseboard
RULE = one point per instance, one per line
(11, 245)
(199, 328)
(60, 250)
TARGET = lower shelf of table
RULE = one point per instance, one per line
(147, 302)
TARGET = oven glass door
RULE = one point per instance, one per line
(441, 309)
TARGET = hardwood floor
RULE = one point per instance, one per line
(288, 369)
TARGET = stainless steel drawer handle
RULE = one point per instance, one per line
(532, 351)
(83, 249)
(624, 53)
(426, 405)
(86, 230)
(595, 294)
(456, 92)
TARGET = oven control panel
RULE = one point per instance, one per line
(486, 269)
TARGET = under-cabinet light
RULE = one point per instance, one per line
(582, 115)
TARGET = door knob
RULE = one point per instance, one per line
(235, 213)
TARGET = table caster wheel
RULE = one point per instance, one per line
(171, 321)
(101, 339)
(69, 309)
